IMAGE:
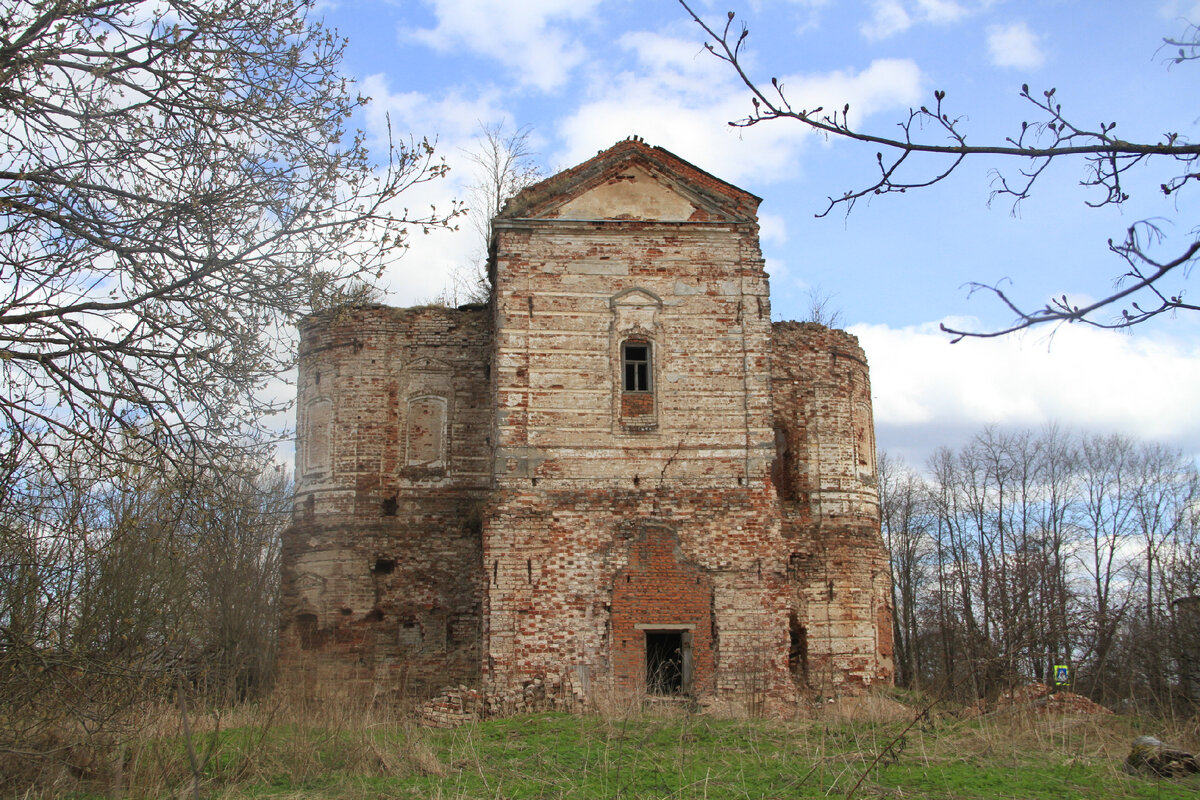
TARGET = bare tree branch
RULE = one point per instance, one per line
(176, 186)
(936, 132)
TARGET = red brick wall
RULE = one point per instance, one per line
(658, 588)
(559, 604)
(635, 404)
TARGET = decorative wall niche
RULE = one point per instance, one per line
(318, 424)
(636, 348)
(425, 433)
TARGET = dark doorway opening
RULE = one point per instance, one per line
(668, 662)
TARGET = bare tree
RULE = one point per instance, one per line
(821, 309)
(1021, 551)
(1164, 491)
(503, 166)
(933, 143)
(176, 184)
(112, 592)
(1058, 477)
(902, 501)
(1106, 514)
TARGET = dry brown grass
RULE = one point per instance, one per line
(356, 748)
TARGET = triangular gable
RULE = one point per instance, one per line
(634, 181)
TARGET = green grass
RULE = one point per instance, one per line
(671, 754)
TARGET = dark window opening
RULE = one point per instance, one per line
(635, 366)
(389, 506)
(306, 626)
(384, 566)
(783, 469)
(668, 662)
(797, 650)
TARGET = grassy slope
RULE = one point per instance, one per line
(663, 755)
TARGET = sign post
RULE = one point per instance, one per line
(1062, 674)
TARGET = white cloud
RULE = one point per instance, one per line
(526, 36)
(452, 116)
(930, 393)
(888, 18)
(426, 268)
(1014, 45)
(772, 228)
(1181, 10)
(888, 83)
(681, 98)
(941, 11)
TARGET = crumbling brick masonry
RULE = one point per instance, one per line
(618, 476)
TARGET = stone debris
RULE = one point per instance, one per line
(1040, 699)
(1149, 756)
(453, 707)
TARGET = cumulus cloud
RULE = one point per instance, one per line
(1181, 10)
(888, 18)
(772, 228)
(1014, 45)
(453, 116)
(528, 37)
(941, 11)
(681, 98)
(427, 267)
(930, 393)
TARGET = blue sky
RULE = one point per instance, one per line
(582, 74)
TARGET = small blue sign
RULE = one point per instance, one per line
(1062, 674)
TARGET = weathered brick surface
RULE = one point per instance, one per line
(825, 471)
(383, 561)
(480, 502)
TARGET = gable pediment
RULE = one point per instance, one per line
(633, 181)
(636, 297)
(630, 193)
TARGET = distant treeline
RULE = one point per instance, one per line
(1022, 551)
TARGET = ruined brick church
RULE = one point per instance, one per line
(617, 476)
